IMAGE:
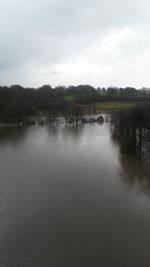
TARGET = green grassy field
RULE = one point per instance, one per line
(113, 105)
(70, 98)
(107, 105)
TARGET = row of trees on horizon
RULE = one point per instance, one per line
(17, 102)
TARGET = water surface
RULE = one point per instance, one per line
(68, 198)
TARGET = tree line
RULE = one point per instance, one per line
(17, 102)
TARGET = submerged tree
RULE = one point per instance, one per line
(76, 112)
(132, 127)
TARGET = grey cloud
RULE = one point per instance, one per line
(45, 34)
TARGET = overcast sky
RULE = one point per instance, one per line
(70, 42)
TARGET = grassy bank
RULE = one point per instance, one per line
(113, 105)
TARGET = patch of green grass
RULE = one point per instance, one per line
(70, 98)
(113, 105)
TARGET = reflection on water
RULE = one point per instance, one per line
(136, 173)
(12, 135)
(66, 199)
(73, 131)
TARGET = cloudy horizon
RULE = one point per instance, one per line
(68, 42)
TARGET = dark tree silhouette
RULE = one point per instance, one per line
(132, 128)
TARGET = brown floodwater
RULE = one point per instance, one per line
(69, 198)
